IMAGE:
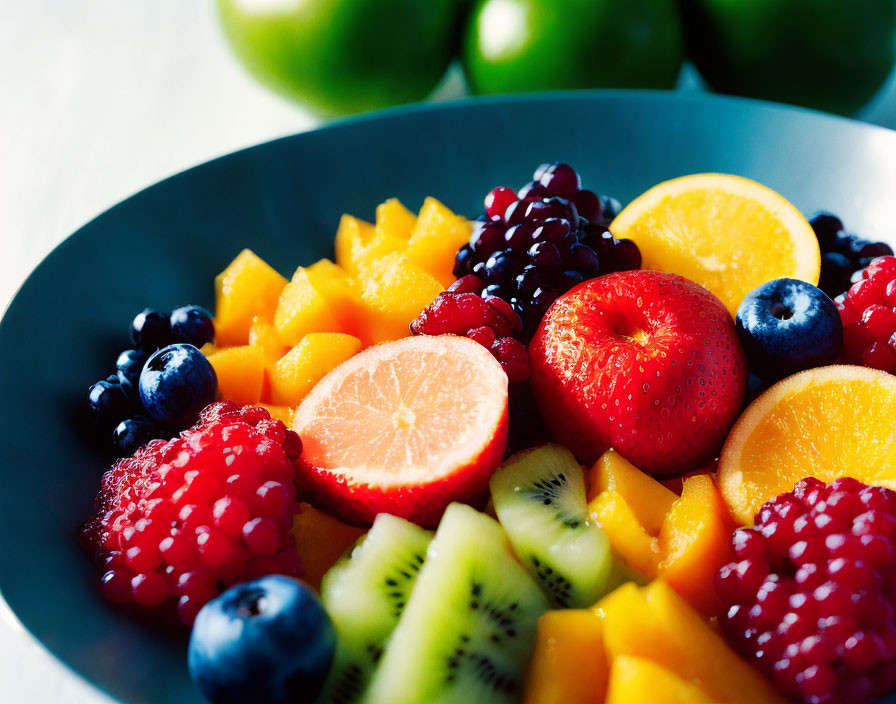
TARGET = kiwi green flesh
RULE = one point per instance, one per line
(539, 498)
(365, 594)
(469, 626)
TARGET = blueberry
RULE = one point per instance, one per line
(108, 402)
(268, 641)
(498, 267)
(786, 326)
(192, 324)
(610, 208)
(826, 227)
(176, 383)
(835, 272)
(755, 386)
(130, 364)
(150, 330)
(463, 261)
(133, 433)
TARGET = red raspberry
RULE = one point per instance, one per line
(490, 321)
(868, 312)
(180, 521)
(453, 313)
(812, 597)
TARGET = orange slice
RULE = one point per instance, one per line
(831, 422)
(404, 427)
(727, 233)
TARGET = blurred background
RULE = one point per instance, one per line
(104, 97)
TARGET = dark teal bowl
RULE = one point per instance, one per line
(283, 199)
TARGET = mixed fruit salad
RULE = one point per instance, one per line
(565, 452)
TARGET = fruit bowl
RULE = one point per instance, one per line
(284, 199)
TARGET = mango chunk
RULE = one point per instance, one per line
(240, 373)
(656, 624)
(695, 542)
(263, 335)
(248, 287)
(649, 500)
(630, 541)
(320, 541)
(569, 665)
(395, 220)
(638, 681)
(351, 237)
(294, 375)
(281, 413)
(358, 244)
(393, 292)
(307, 305)
(438, 234)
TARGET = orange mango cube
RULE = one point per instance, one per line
(263, 335)
(294, 375)
(240, 373)
(656, 624)
(281, 413)
(638, 681)
(395, 220)
(314, 302)
(630, 541)
(358, 244)
(393, 292)
(320, 541)
(695, 542)
(649, 500)
(569, 665)
(248, 287)
(351, 238)
(438, 234)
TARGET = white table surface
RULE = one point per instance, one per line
(101, 98)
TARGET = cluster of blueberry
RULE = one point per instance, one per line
(161, 384)
(535, 244)
(843, 255)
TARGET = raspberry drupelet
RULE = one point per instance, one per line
(180, 521)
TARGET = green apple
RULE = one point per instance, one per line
(528, 45)
(344, 56)
(827, 54)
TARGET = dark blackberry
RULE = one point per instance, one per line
(843, 255)
(534, 245)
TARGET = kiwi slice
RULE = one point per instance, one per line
(365, 593)
(469, 627)
(539, 496)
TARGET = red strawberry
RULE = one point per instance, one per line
(643, 361)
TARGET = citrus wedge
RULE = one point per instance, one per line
(726, 233)
(404, 427)
(825, 423)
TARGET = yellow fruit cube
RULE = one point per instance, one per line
(649, 500)
(240, 373)
(392, 218)
(307, 363)
(437, 236)
(656, 624)
(393, 292)
(321, 540)
(248, 287)
(351, 236)
(638, 549)
(281, 413)
(569, 665)
(263, 335)
(357, 243)
(638, 681)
